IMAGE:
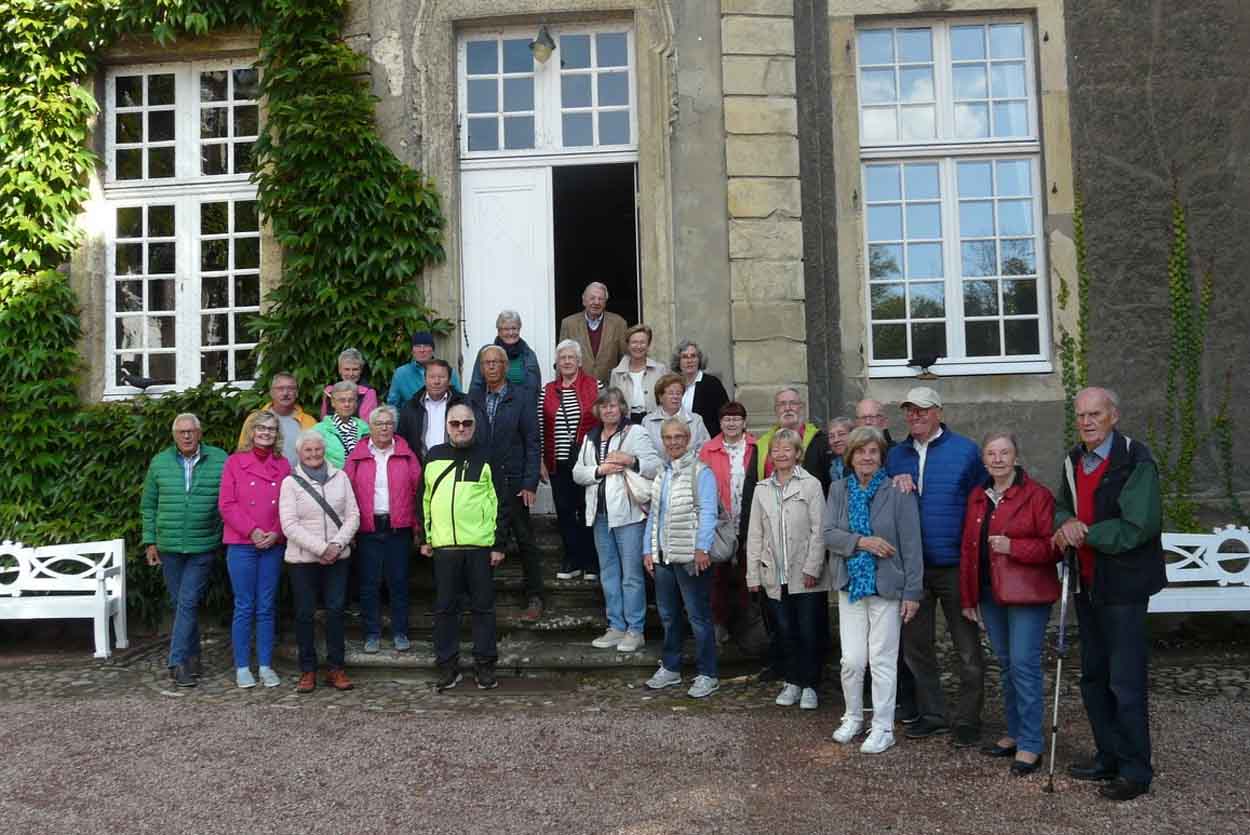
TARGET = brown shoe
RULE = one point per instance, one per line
(535, 610)
(307, 683)
(338, 680)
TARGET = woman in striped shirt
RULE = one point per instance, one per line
(565, 415)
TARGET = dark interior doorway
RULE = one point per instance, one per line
(596, 239)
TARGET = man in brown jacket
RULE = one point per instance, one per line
(600, 333)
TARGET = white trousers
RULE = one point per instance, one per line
(869, 631)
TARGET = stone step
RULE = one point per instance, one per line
(580, 622)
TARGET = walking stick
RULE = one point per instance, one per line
(1061, 650)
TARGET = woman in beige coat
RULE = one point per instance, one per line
(319, 517)
(786, 557)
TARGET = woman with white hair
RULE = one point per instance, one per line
(341, 429)
(565, 415)
(523, 370)
(351, 366)
(319, 516)
(637, 373)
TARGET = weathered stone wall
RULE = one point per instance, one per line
(1158, 87)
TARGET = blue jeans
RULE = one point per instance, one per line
(621, 574)
(306, 579)
(674, 586)
(186, 576)
(1017, 634)
(384, 554)
(254, 578)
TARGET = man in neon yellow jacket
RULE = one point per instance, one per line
(466, 523)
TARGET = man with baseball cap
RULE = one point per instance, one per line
(942, 468)
(410, 377)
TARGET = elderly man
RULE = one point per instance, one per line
(292, 419)
(466, 521)
(523, 370)
(409, 378)
(789, 408)
(675, 543)
(600, 334)
(182, 532)
(869, 412)
(942, 468)
(1109, 510)
(423, 419)
(508, 416)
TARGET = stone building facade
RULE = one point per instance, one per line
(822, 189)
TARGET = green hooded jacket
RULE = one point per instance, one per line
(178, 520)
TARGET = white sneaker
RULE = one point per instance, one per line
(244, 678)
(848, 730)
(609, 639)
(809, 701)
(268, 677)
(569, 575)
(632, 642)
(788, 695)
(663, 678)
(703, 686)
(878, 741)
(590, 578)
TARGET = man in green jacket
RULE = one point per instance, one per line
(466, 522)
(182, 532)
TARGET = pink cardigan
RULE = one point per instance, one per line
(249, 496)
(366, 400)
(403, 480)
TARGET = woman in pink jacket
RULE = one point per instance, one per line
(385, 474)
(255, 545)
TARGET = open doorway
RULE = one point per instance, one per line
(595, 234)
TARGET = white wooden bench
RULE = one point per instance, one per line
(82, 580)
(1207, 572)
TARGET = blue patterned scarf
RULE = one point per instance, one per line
(862, 566)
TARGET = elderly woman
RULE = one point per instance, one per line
(565, 415)
(342, 430)
(386, 477)
(786, 557)
(351, 367)
(669, 391)
(1007, 583)
(637, 373)
(873, 534)
(832, 459)
(248, 503)
(523, 371)
(319, 517)
(704, 392)
(675, 547)
(614, 455)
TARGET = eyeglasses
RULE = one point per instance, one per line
(270, 429)
(383, 424)
(461, 424)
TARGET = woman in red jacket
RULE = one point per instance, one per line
(1007, 582)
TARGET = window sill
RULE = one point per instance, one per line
(963, 368)
(119, 393)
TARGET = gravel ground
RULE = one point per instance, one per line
(111, 748)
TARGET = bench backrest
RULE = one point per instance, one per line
(77, 567)
(1206, 565)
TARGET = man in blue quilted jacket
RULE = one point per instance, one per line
(942, 468)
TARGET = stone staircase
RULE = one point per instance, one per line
(559, 642)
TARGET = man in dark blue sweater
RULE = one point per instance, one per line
(942, 467)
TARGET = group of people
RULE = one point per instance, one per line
(644, 491)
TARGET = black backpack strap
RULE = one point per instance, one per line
(319, 499)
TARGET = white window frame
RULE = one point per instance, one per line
(947, 151)
(548, 124)
(185, 191)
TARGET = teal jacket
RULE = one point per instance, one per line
(178, 520)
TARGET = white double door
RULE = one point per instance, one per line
(507, 258)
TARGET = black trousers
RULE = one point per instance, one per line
(570, 502)
(802, 635)
(456, 571)
(1115, 661)
(331, 580)
(523, 531)
(941, 588)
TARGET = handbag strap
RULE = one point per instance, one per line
(319, 499)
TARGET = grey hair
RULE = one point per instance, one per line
(173, 427)
(352, 355)
(790, 389)
(596, 285)
(489, 349)
(676, 420)
(682, 346)
(307, 435)
(1112, 397)
(862, 437)
(380, 411)
(1001, 435)
(608, 395)
(507, 316)
(787, 436)
(842, 421)
(343, 385)
(569, 345)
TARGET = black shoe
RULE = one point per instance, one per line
(1122, 788)
(196, 665)
(966, 736)
(182, 676)
(925, 727)
(993, 749)
(448, 677)
(1091, 770)
(1019, 768)
(768, 674)
(486, 679)
(907, 715)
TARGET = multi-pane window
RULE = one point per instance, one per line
(183, 230)
(581, 99)
(951, 184)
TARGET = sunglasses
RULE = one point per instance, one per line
(461, 424)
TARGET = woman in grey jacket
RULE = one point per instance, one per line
(873, 534)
